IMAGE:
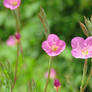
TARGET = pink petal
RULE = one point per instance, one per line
(78, 54)
(88, 41)
(52, 74)
(46, 47)
(52, 38)
(11, 41)
(77, 42)
(61, 44)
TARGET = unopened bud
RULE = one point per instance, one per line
(57, 84)
(17, 36)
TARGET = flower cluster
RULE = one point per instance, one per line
(81, 48)
(53, 46)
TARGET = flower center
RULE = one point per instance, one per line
(54, 48)
(14, 3)
(85, 52)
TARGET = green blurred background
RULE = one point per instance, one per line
(63, 17)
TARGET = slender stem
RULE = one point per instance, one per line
(18, 48)
(45, 90)
(17, 21)
(29, 86)
(46, 30)
(84, 75)
(17, 18)
(57, 90)
(89, 77)
(21, 49)
(16, 69)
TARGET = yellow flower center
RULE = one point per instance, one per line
(85, 52)
(14, 3)
(54, 48)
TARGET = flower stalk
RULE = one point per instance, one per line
(89, 77)
(43, 19)
(84, 75)
(18, 49)
(49, 66)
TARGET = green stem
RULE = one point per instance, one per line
(17, 20)
(57, 90)
(84, 75)
(89, 77)
(16, 68)
(18, 48)
(45, 90)
(21, 49)
(29, 86)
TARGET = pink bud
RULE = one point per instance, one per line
(52, 74)
(57, 84)
(17, 36)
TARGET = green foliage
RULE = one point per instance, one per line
(63, 17)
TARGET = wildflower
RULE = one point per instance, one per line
(81, 48)
(57, 84)
(13, 40)
(52, 74)
(12, 4)
(53, 46)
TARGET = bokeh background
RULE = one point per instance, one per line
(63, 19)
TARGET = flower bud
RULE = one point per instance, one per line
(88, 23)
(17, 36)
(57, 84)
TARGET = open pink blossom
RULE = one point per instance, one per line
(81, 48)
(53, 46)
(12, 4)
(52, 74)
(11, 41)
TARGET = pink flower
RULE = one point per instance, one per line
(11, 41)
(12, 4)
(81, 48)
(53, 46)
(52, 74)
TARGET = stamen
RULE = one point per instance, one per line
(14, 3)
(54, 48)
(85, 52)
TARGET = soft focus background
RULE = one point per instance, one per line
(63, 17)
